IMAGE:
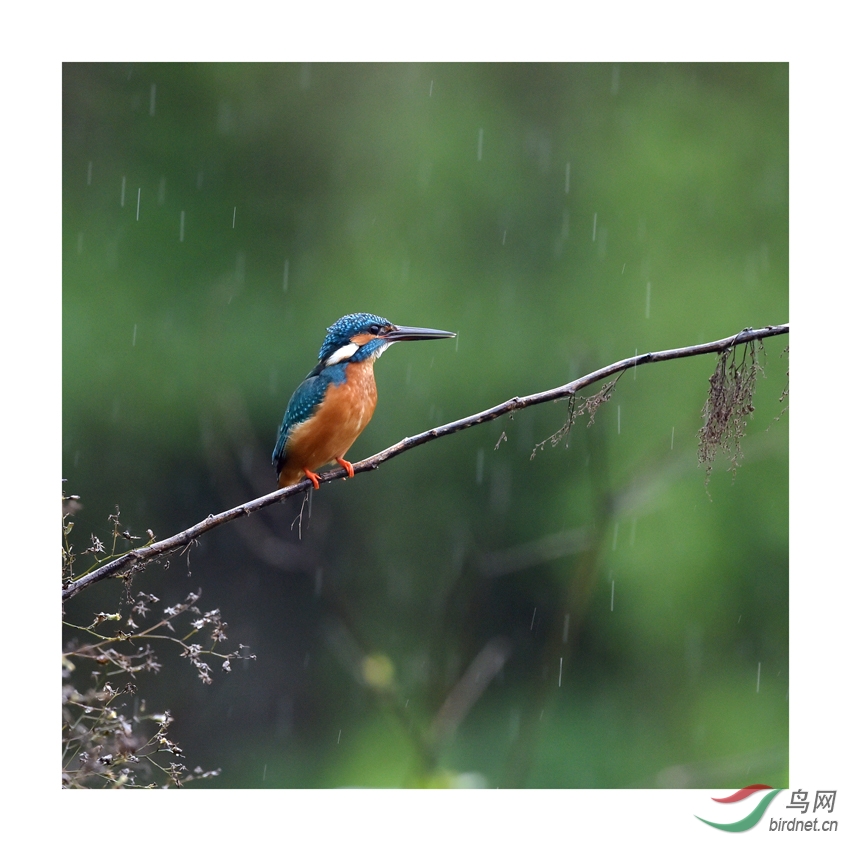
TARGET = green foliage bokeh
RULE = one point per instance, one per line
(217, 218)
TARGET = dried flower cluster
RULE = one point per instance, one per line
(70, 506)
(109, 738)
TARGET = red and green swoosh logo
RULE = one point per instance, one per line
(753, 817)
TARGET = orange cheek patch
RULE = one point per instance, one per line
(362, 339)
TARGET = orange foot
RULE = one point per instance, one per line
(313, 477)
(346, 466)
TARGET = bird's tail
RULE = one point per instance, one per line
(288, 477)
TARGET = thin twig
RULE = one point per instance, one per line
(143, 554)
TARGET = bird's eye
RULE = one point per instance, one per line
(375, 329)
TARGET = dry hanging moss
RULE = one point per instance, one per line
(729, 403)
(578, 407)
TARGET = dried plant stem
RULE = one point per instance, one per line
(132, 560)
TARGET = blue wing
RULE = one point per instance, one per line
(308, 396)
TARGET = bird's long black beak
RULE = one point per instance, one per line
(400, 333)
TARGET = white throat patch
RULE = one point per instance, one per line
(342, 353)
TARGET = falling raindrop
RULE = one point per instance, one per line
(560, 671)
(758, 677)
(672, 437)
(138, 202)
(304, 77)
(533, 615)
(234, 218)
(612, 594)
(182, 223)
(500, 487)
(123, 189)
(431, 90)
(594, 227)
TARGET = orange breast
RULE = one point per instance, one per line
(337, 423)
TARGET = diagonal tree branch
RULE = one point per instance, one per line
(133, 559)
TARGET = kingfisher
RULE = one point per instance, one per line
(335, 402)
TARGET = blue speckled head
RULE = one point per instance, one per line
(341, 331)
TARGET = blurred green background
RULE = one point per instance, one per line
(594, 617)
